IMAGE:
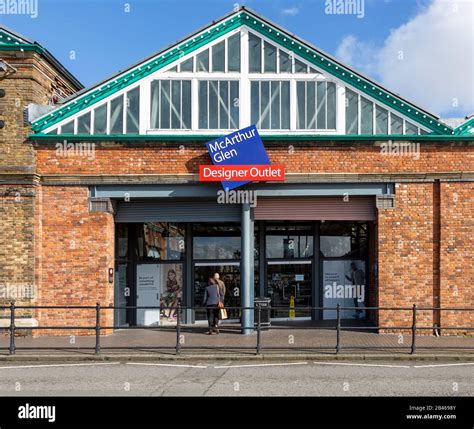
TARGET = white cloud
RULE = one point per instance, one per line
(291, 11)
(428, 60)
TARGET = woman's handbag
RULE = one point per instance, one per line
(222, 314)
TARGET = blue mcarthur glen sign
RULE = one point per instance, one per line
(243, 147)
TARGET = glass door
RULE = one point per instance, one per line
(289, 285)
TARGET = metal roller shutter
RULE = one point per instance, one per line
(320, 208)
(170, 210)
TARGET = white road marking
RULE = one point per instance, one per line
(260, 365)
(166, 364)
(362, 364)
(59, 365)
(443, 364)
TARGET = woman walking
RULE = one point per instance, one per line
(211, 300)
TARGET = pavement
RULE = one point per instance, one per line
(243, 378)
(293, 341)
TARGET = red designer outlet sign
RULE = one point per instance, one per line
(237, 173)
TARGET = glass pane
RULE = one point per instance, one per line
(230, 275)
(366, 116)
(270, 53)
(68, 128)
(218, 57)
(300, 67)
(331, 105)
(422, 131)
(265, 105)
(352, 112)
(254, 102)
(186, 104)
(202, 61)
(310, 105)
(133, 110)
(176, 104)
(223, 104)
(213, 104)
(165, 103)
(234, 104)
(300, 105)
(173, 69)
(100, 119)
(410, 128)
(343, 239)
(381, 120)
(203, 104)
(285, 62)
(116, 115)
(396, 124)
(55, 131)
(187, 66)
(84, 124)
(255, 54)
(289, 246)
(285, 105)
(161, 241)
(233, 53)
(275, 105)
(289, 287)
(321, 106)
(155, 104)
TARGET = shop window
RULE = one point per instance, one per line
(171, 104)
(116, 115)
(316, 105)
(270, 104)
(343, 239)
(300, 67)
(255, 54)
(100, 119)
(285, 62)
(84, 124)
(288, 241)
(218, 104)
(270, 58)
(216, 242)
(158, 241)
(133, 110)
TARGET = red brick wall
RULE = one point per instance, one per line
(75, 249)
(457, 253)
(162, 158)
(405, 255)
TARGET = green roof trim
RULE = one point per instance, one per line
(466, 128)
(10, 42)
(267, 137)
(244, 17)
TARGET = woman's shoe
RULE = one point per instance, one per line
(216, 331)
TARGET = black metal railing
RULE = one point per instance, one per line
(257, 327)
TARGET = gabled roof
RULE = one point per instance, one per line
(258, 24)
(13, 41)
(466, 128)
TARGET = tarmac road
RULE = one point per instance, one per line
(220, 378)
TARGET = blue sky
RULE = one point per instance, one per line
(106, 38)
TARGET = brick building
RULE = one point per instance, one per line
(30, 77)
(377, 197)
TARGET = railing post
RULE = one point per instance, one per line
(97, 328)
(259, 327)
(338, 328)
(178, 328)
(413, 330)
(12, 328)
